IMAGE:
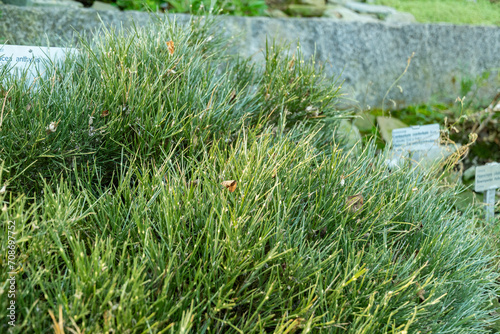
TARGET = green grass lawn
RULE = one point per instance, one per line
(157, 184)
(483, 12)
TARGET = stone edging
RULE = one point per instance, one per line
(369, 56)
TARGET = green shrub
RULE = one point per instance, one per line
(294, 89)
(129, 228)
(127, 94)
(284, 251)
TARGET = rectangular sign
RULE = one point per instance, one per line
(416, 138)
(487, 177)
(20, 57)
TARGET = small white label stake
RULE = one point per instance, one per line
(487, 181)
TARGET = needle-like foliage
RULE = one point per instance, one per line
(171, 198)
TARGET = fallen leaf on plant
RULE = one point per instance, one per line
(105, 113)
(171, 47)
(355, 202)
(231, 185)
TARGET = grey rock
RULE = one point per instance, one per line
(400, 17)
(56, 3)
(276, 13)
(350, 136)
(386, 125)
(427, 160)
(316, 3)
(17, 2)
(305, 10)
(337, 2)
(434, 156)
(99, 5)
(342, 13)
(469, 173)
(342, 2)
(365, 121)
(369, 9)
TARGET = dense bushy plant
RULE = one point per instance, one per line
(169, 195)
(170, 247)
(143, 93)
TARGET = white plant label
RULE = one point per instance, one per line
(487, 177)
(21, 57)
(488, 180)
(416, 138)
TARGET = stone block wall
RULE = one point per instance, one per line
(369, 56)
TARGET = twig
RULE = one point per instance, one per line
(396, 81)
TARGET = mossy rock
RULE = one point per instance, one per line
(387, 124)
(305, 10)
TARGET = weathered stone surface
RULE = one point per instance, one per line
(342, 2)
(17, 2)
(342, 13)
(337, 2)
(305, 10)
(349, 135)
(99, 5)
(386, 125)
(427, 160)
(469, 173)
(434, 156)
(365, 121)
(56, 3)
(400, 17)
(369, 9)
(276, 13)
(316, 3)
(370, 56)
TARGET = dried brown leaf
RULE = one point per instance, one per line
(230, 184)
(171, 47)
(355, 202)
